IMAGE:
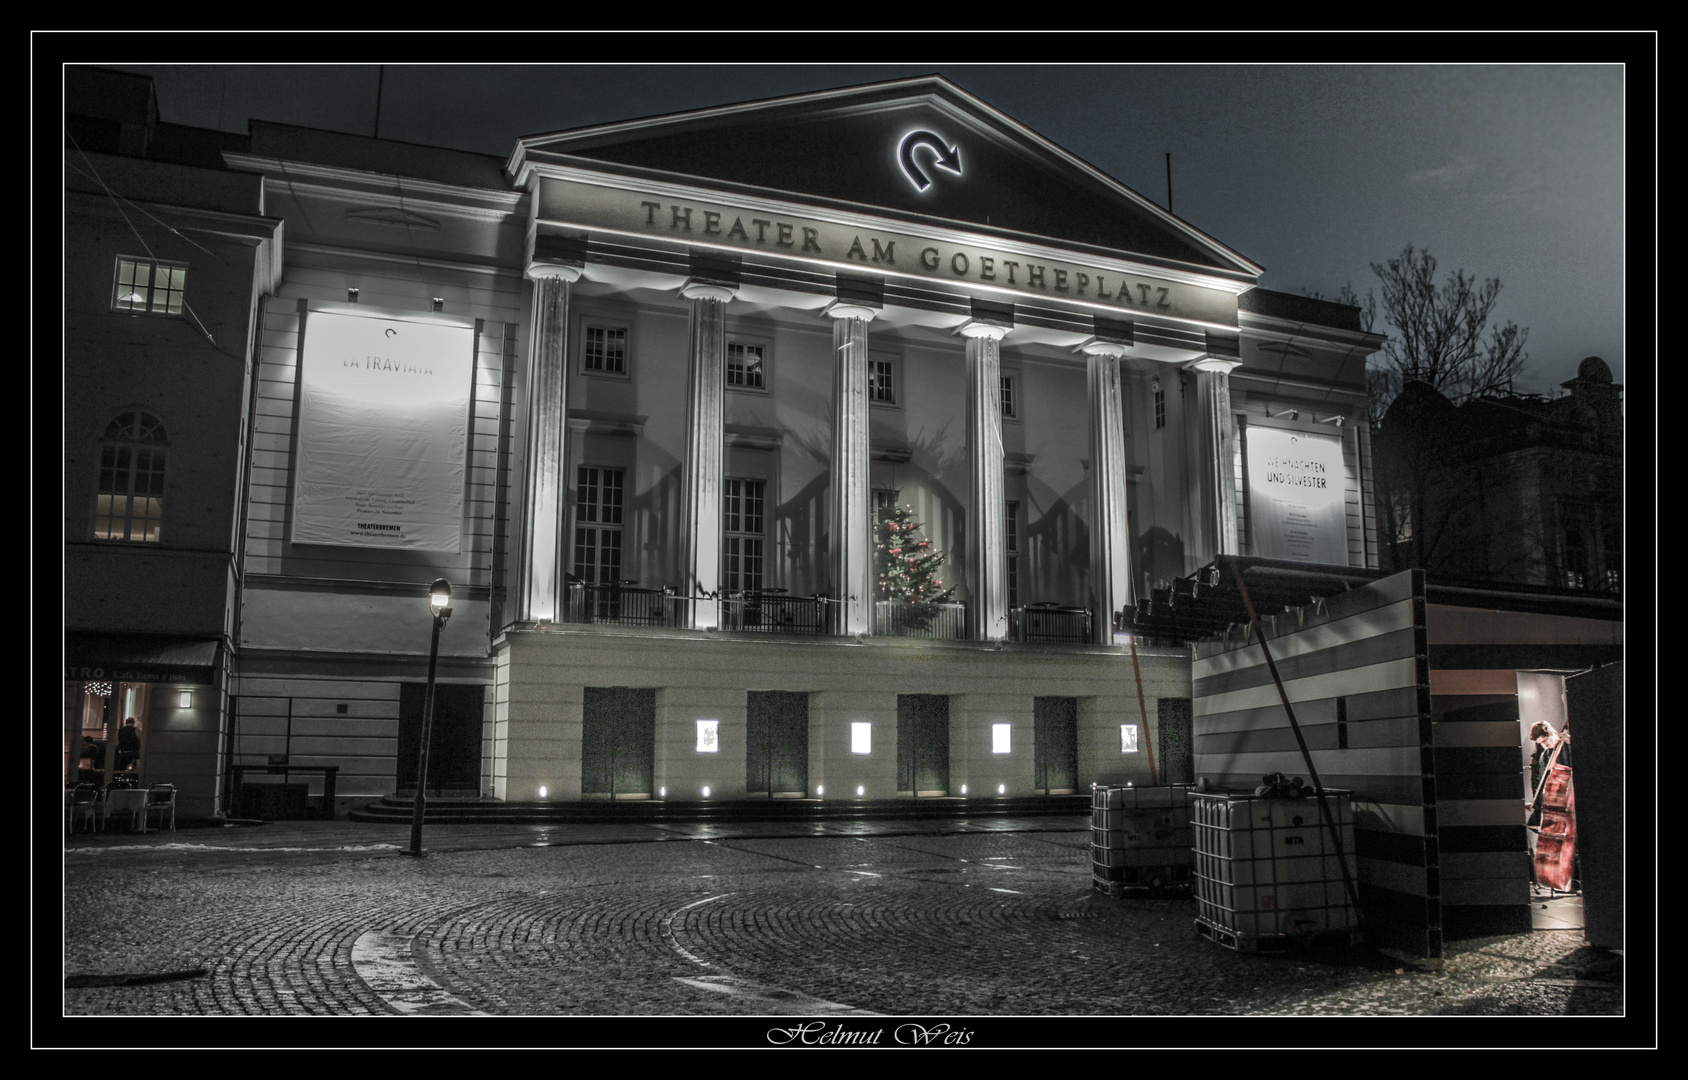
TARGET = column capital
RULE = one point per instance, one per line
(978, 328)
(543, 271)
(844, 309)
(695, 289)
(1098, 347)
(1216, 364)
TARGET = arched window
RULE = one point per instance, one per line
(130, 503)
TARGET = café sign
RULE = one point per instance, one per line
(881, 251)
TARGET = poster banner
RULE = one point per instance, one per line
(1297, 488)
(383, 432)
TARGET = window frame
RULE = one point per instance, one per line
(150, 306)
(1010, 395)
(740, 576)
(599, 522)
(895, 401)
(749, 341)
(588, 323)
(136, 421)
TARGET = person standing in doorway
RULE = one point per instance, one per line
(128, 745)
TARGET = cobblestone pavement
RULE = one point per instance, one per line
(841, 920)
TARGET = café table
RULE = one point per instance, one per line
(126, 801)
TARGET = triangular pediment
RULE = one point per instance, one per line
(916, 148)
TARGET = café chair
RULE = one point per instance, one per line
(83, 802)
(161, 798)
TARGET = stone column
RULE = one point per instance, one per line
(851, 549)
(1110, 529)
(700, 521)
(987, 537)
(1217, 439)
(544, 547)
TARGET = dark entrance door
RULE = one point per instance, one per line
(923, 744)
(618, 743)
(1055, 745)
(1175, 754)
(777, 732)
(454, 751)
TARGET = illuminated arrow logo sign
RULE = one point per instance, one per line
(946, 157)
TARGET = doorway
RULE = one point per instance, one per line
(454, 748)
(923, 745)
(1177, 757)
(776, 763)
(1055, 745)
(618, 743)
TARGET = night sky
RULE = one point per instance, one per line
(1315, 172)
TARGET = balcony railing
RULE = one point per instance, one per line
(772, 613)
(939, 622)
(1050, 623)
(621, 605)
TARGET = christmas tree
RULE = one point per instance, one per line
(908, 569)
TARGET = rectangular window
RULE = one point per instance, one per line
(130, 501)
(742, 539)
(1010, 402)
(597, 524)
(1013, 554)
(146, 286)
(1000, 736)
(1160, 405)
(603, 349)
(746, 365)
(882, 382)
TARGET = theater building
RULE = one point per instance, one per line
(637, 392)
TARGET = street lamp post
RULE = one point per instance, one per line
(439, 602)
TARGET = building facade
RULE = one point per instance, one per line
(637, 391)
(1508, 488)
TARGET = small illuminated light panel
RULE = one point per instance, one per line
(542, 791)
(1002, 789)
(708, 736)
(1128, 738)
(861, 738)
(662, 793)
(820, 789)
(1000, 738)
(861, 790)
(964, 789)
(185, 699)
(706, 791)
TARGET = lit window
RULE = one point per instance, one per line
(1128, 738)
(146, 286)
(708, 737)
(603, 349)
(882, 382)
(861, 738)
(746, 365)
(1010, 401)
(1000, 738)
(129, 504)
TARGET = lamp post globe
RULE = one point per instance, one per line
(439, 604)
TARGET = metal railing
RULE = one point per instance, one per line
(620, 605)
(772, 613)
(938, 622)
(1050, 623)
